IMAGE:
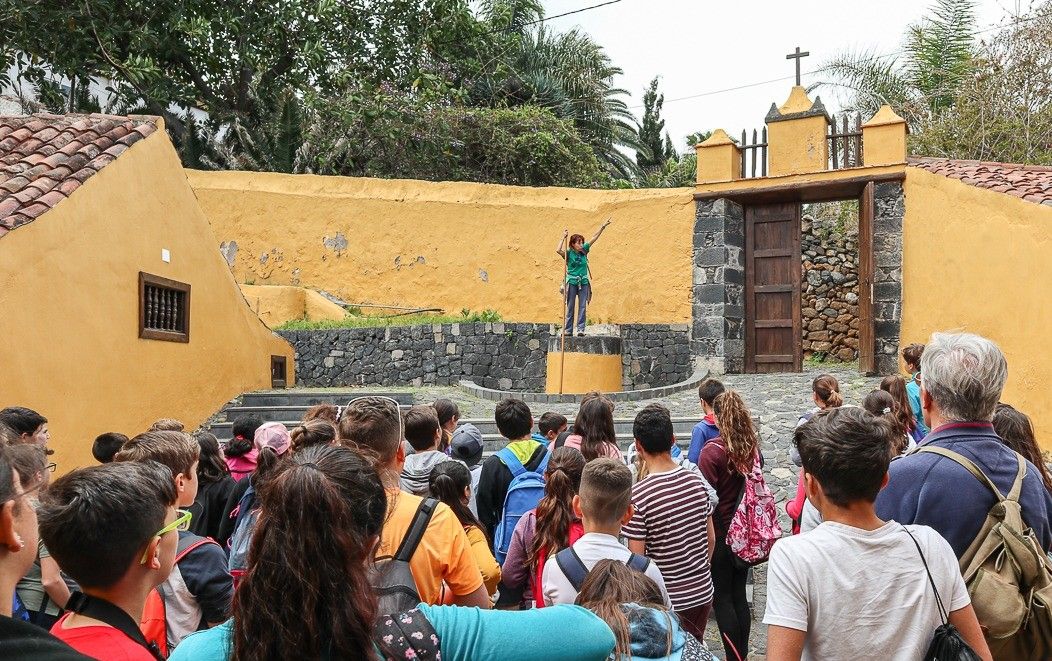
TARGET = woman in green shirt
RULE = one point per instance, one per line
(577, 282)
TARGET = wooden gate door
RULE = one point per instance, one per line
(773, 341)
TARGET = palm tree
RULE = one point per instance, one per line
(567, 73)
(923, 78)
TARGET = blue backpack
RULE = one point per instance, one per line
(524, 492)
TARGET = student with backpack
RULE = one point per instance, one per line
(544, 531)
(986, 500)
(706, 430)
(112, 528)
(643, 626)
(672, 520)
(519, 464)
(198, 591)
(857, 587)
(424, 434)
(725, 463)
(312, 598)
(273, 443)
(423, 532)
(604, 504)
(450, 483)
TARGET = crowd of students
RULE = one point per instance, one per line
(371, 533)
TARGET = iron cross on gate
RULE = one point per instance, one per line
(797, 56)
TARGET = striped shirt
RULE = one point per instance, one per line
(672, 517)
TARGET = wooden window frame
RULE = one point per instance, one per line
(154, 334)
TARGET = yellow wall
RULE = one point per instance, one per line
(277, 304)
(978, 260)
(69, 301)
(454, 245)
(584, 372)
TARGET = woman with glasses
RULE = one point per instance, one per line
(307, 593)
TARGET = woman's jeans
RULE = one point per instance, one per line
(581, 293)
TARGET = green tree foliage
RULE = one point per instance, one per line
(208, 55)
(567, 73)
(923, 79)
(391, 134)
(655, 145)
(269, 73)
(1003, 110)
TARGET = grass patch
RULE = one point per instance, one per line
(355, 319)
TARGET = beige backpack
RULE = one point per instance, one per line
(1008, 574)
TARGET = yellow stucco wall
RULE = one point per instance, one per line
(978, 260)
(276, 304)
(454, 245)
(584, 372)
(69, 301)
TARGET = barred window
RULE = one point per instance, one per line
(164, 309)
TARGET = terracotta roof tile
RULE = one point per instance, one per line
(1032, 183)
(45, 157)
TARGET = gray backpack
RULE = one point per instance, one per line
(393, 581)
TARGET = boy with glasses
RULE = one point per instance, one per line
(112, 529)
(198, 593)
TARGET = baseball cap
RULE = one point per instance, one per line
(273, 435)
(467, 444)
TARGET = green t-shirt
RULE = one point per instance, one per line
(577, 265)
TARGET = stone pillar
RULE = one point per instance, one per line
(889, 209)
(718, 305)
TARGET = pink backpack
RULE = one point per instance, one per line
(754, 527)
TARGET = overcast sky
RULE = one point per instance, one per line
(700, 46)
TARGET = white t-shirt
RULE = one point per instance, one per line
(591, 548)
(862, 594)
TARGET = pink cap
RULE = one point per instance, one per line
(273, 435)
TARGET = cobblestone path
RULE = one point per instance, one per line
(777, 400)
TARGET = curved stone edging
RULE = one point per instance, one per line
(623, 396)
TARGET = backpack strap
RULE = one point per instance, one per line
(181, 551)
(508, 458)
(638, 562)
(103, 611)
(972, 468)
(572, 567)
(416, 529)
(543, 466)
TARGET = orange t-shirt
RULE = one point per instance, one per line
(444, 553)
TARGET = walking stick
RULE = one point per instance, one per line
(566, 295)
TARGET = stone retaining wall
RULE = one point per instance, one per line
(504, 356)
(829, 291)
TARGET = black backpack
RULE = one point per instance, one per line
(575, 570)
(393, 580)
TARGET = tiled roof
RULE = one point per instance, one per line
(1030, 182)
(44, 158)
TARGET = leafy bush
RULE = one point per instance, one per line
(396, 135)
